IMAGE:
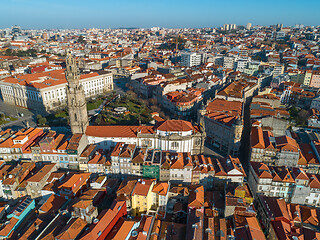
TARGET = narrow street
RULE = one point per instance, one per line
(245, 139)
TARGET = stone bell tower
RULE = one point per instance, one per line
(76, 100)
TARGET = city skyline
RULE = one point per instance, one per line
(72, 14)
(159, 120)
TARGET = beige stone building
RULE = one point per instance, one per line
(223, 124)
(37, 181)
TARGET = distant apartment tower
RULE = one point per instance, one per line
(228, 27)
(189, 59)
(300, 26)
(249, 26)
(279, 26)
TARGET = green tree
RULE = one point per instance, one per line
(8, 52)
(42, 121)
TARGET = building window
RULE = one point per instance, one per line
(174, 145)
(146, 143)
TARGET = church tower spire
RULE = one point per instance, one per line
(76, 99)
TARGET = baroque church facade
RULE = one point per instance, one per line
(167, 135)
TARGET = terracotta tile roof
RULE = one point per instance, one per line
(178, 162)
(118, 131)
(19, 173)
(258, 109)
(7, 228)
(172, 231)
(161, 188)
(155, 230)
(235, 89)
(106, 218)
(223, 111)
(282, 228)
(53, 204)
(309, 215)
(88, 150)
(265, 96)
(257, 140)
(287, 144)
(139, 155)
(124, 230)
(299, 173)
(314, 181)
(184, 191)
(308, 153)
(144, 228)
(43, 79)
(4, 171)
(142, 187)
(72, 230)
(196, 197)
(261, 169)
(75, 182)
(39, 175)
(251, 230)
(81, 203)
(117, 149)
(174, 126)
(55, 176)
(75, 178)
(98, 158)
(126, 187)
(127, 150)
(275, 207)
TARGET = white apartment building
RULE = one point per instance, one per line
(241, 64)
(292, 184)
(47, 90)
(190, 59)
(229, 62)
(278, 70)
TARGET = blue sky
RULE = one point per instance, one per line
(164, 13)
